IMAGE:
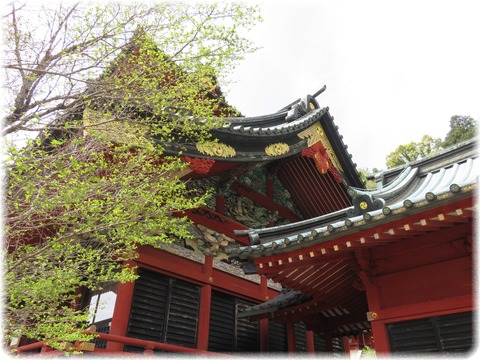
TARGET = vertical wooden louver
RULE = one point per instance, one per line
(447, 333)
(164, 309)
(222, 323)
(227, 332)
(300, 337)
(248, 337)
(182, 316)
(319, 343)
(277, 337)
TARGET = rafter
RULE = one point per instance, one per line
(453, 218)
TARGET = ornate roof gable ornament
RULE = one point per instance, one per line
(198, 165)
(301, 108)
(323, 162)
(365, 203)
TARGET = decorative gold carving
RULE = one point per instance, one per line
(216, 149)
(277, 149)
(314, 134)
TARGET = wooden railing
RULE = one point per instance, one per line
(148, 346)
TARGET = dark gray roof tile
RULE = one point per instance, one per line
(411, 191)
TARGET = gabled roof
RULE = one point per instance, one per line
(246, 139)
(417, 189)
(278, 136)
(317, 258)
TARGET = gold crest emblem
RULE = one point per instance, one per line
(216, 149)
(277, 149)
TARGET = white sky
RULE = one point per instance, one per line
(394, 70)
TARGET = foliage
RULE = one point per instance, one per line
(75, 215)
(461, 128)
(412, 151)
(106, 87)
(55, 54)
(369, 182)
(367, 351)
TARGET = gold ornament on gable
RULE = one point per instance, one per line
(314, 134)
(277, 149)
(216, 149)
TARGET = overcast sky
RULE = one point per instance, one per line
(394, 70)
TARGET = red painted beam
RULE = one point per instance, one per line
(189, 270)
(150, 345)
(121, 312)
(294, 262)
(425, 309)
(30, 347)
(217, 222)
(368, 235)
(263, 200)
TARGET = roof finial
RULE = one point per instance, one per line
(320, 91)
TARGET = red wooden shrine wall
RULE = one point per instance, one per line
(420, 277)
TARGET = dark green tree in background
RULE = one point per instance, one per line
(412, 151)
(461, 128)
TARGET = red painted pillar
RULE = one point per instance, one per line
(263, 288)
(349, 343)
(204, 317)
(310, 341)
(208, 268)
(379, 330)
(148, 351)
(291, 337)
(205, 303)
(380, 338)
(121, 312)
(263, 325)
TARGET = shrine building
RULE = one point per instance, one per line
(293, 254)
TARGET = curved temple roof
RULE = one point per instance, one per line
(417, 189)
(319, 261)
(275, 136)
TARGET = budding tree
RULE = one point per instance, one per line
(103, 88)
(462, 128)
